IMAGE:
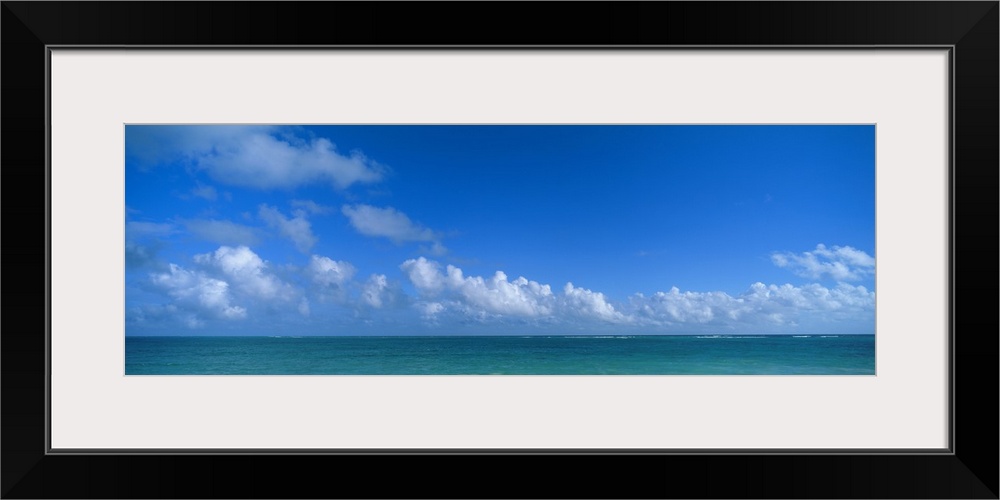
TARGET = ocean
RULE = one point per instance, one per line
(503, 355)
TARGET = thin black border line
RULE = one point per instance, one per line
(48, 249)
(952, 109)
(948, 450)
(492, 451)
(609, 48)
(514, 124)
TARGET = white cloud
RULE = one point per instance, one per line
(264, 161)
(223, 232)
(392, 224)
(304, 306)
(495, 295)
(777, 305)
(202, 295)
(760, 308)
(687, 307)
(154, 314)
(153, 145)
(840, 263)
(424, 274)
(312, 207)
(296, 229)
(436, 249)
(375, 291)
(328, 272)
(204, 191)
(591, 304)
(253, 157)
(430, 309)
(229, 280)
(811, 297)
(246, 271)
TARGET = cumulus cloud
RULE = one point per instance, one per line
(424, 274)
(375, 292)
(328, 272)
(495, 295)
(811, 297)
(204, 296)
(429, 310)
(296, 228)
(253, 157)
(760, 308)
(687, 307)
(227, 284)
(246, 271)
(223, 232)
(777, 305)
(591, 304)
(392, 224)
(840, 263)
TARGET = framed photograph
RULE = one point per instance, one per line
(267, 243)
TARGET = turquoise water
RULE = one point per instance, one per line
(511, 355)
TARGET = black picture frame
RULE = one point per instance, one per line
(970, 470)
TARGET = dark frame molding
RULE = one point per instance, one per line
(29, 29)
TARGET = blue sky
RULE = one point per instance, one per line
(485, 230)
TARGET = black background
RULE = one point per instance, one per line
(971, 472)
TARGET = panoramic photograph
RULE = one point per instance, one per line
(499, 250)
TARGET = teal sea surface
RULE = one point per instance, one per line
(504, 355)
